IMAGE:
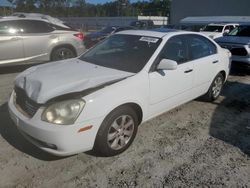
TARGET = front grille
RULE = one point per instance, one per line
(239, 51)
(25, 103)
(235, 49)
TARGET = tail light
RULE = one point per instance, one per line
(79, 35)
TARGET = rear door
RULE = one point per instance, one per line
(203, 54)
(37, 37)
(11, 44)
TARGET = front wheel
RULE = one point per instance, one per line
(117, 132)
(215, 88)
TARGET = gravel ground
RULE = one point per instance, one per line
(198, 144)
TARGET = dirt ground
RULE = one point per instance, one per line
(198, 144)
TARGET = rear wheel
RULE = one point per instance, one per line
(62, 53)
(117, 132)
(215, 88)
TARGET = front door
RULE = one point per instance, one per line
(169, 88)
(11, 44)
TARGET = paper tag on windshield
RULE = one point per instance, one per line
(149, 39)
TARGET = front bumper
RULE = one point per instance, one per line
(243, 59)
(55, 139)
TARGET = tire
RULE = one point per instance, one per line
(215, 88)
(61, 53)
(117, 132)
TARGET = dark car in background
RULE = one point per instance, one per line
(190, 27)
(143, 24)
(169, 26)
(238, 42)
(95, 37)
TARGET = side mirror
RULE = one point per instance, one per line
(167, 64)
(226, 31)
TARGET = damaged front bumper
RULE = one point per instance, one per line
(55, 139)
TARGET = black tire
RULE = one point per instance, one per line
(61, 53)
(215, 88)
(103, 144)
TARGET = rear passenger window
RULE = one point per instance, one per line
(200, 46)
(34, 26)
(175, 49)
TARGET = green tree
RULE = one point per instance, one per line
(81, 8)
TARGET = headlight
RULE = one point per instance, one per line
(63, 113)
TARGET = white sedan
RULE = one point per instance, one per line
(97, 101)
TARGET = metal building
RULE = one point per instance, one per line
(186, 8)
(5, 3)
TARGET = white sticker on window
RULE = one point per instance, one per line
(149, 39)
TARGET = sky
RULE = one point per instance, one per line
(104, 1)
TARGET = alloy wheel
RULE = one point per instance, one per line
(217, 86)
(120, 132)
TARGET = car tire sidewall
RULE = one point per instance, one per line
(57, 50)
(101, 147)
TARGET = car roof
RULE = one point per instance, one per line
(34, 16)
(155, 33)
(222, 24)
(12, 18)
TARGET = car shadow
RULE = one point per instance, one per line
(231, 119)
(10, 133)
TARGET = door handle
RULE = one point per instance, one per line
(188, 71)
(216, 61)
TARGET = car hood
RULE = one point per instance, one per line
(44, 82)
(233, 40)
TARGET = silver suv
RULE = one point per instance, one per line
(36, 39)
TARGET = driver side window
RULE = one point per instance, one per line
(175, 49)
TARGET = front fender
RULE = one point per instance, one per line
(134, 89)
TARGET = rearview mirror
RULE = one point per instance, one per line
(167, 64)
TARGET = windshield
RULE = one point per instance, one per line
(241, 31)
(128, 53)
(213, 28)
